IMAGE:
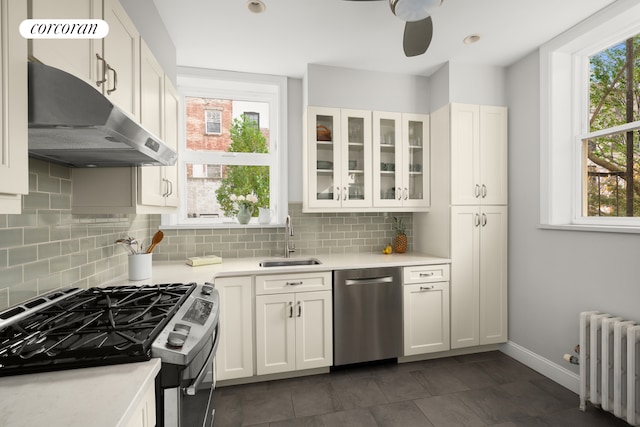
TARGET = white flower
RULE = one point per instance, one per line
(252, 198)
(233, 197)
(240, 198)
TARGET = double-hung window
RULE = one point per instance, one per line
(232, 145)
(590, 123)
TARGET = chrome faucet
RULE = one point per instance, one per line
(288, 231)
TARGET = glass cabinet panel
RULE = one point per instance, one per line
(387, 157)
(416, 160)
(324, 155)
(356, 158)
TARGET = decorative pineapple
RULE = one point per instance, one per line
(400, 241)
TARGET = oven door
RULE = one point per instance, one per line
(191, 404)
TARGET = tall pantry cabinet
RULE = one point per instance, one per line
(468, 218)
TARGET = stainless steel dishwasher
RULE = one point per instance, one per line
(367, 315)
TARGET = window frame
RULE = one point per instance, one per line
(206, 122)
(564, 116)
(233, 85)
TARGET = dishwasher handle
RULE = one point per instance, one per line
(369, 281)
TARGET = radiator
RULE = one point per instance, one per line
(610, 365)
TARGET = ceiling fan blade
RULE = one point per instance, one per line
(417, 36)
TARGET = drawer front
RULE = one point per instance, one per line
(426, 273)
(298, 282)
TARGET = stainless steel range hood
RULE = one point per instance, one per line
(73, 124)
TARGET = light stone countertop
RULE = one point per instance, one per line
(104, 396)
(180, 272)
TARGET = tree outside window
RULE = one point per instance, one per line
(611, 159)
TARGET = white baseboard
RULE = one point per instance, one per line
(553, 371)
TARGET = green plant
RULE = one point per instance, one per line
(398, 225)
(246, 137)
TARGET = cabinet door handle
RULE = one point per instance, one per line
(293, 283)
(406, 193)
(290, 309)
(337, 193)
(484, 191)
(484, 219)
(344, 193)
(299, 309)
(477, 217)
(104, 70)
(426, 288)
(429, 274)
(170, 188)
(115, 80)
(166, 187)
(477, 191)
(399, 191)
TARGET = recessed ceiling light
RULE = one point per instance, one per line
(256, 6)
(471, 39)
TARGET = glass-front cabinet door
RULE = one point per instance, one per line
(339, 158)
(387, 159)
(415, 188)
(355, 161)
(323, 145)
(400, 160)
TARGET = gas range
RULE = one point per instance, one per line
(97, 326)
(78, 328)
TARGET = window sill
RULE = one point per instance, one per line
(591, 228)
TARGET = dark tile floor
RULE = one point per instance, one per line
(486, 389)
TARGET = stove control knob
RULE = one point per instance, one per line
(206, 289)
(176, 339)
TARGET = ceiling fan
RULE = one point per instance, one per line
(418, 30)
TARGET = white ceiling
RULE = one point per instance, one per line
(224, 35)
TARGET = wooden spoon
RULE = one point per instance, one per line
(157, 238)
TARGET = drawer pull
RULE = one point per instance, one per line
(429, 274)
(426, 288)
(293, 283)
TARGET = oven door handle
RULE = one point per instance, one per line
(193, 388)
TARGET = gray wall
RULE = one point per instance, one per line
(367, 90)
(554, 275)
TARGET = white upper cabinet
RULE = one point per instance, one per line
(159, 114)
(14, 166)
(478, 155)
(111, 65)
(338, 167)
(121, 55)
(401, 160)
(358, 160)
(75, 56)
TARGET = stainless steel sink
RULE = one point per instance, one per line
(287, 262)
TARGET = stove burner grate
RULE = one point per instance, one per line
(93, 327)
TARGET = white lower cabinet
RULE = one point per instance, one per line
(144, 415)
(426, 309)
(234, 358)
(479, 275)
(293, 329)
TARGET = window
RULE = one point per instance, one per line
(233, 144)
(253, 116)
(213, 120)
(589, 138)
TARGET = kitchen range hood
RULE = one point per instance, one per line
(73, 124)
